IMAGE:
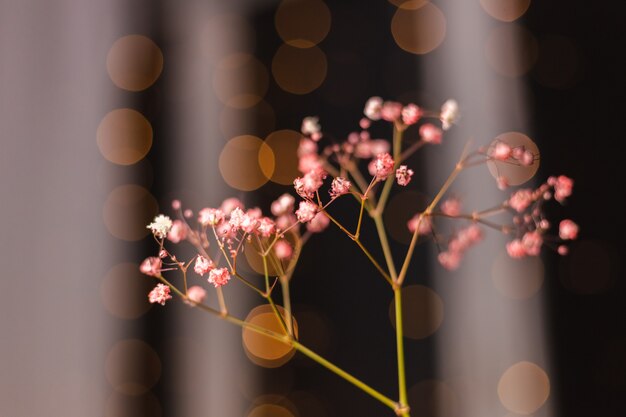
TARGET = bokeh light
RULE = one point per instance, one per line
(121, 405)
(134, 62)
(409, 4)
(524, 388)
(299, 71)
(240, 80)
(558, 63)
(124, 136)
(254, 260)
(511, 50)
(433, 398)
(269, 410)
(246, 163)
(284, 145)
(132, 367)
(515, 174)
(258, 120)
(588, 268)
(418, 30)
(124, 291)
(235, 28)
(302, 23)
(263, 350)
(517, 278)
(400, 209)
(422, 311)
(505, 10)
(127, 210)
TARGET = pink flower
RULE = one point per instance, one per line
(501, 151)
(196, 294)
(562, 188)
(403, 175)
(219, 277)
(307, 185)
(160, 226)
(373, 108)
(285, 221)
(340, 186)
(391, 111)
(309, 162)
(516, 249)
(306, 211)
(160, 294)
(568, 230)
(449, 113)
(382, 166)
(231, 204)
(411, 113)
(266, 227)
(283, 205)
(307, 147)
(532, 242)
(318, 224)
(365, 123)
(237, 217)
(430, 133)
(451, 207)
(521, 199)
(450, 260)
(210, 216)
(425, 226)
(563, 250)
(203, 265)
(151, 266)
(178, 232)
(283, 250)
(527, 158)
(249, 224)
(310, 126)
(176, 204)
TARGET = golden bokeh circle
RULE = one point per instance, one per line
(240, 80)
(517, 278)
(409, 4)
(523, 388)
(263, 350)
(588, 268)
(299, 71)
(258, 120)
(132, 367)
(246, 162)
(269, 410)
(134, 62)
(422, 311)
(127, 210)
(505, 10)
(418, 30)
(432, 398)
(124, 136)
(124, 291)
(511, 50)
(302, 23)
(284, 145)
(515, 174)
(121, 405)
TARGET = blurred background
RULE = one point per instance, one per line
(109, 110)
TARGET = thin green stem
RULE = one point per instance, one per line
(397, 149)
(268, 297)
(397, 294)
(384, 243)
(221, 300)
(284, 284)
(358, 225)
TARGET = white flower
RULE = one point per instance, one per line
(449, 113)
(310, 126)
(160, 226)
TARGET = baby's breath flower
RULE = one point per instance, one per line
(160, 226)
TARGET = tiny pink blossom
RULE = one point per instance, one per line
(176, 204)
(160, 294)
(382, 166)
(310, 126)
(425, 226)
(160, 226)
(563, 250)
(318, 224)
(178, 232)
(188, 213)
(373, 108)
(532, 242)
(521, 199)
(283, 250)
(196, 294)
(307, 185)
(430, 133)
(151, 266)
(237, 217)
(231, 204)
(404, 175)
(562, 188)
(249, 224)
(365, 123)
(449, 113)
(285, 221)
(339, 187)
(516, 249)
(309, 162)
(501, 151)
(210, 216)
(162, 253)
(219, 277)
(307, 147)
(450, 260)
(266, 227)
(283, 205)
(254, 213)
(391, 111)
(306, 211)
(568, 230)
(411, 113)
(527, 158)
(203, 265)
(451, 207)
(502, 182)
